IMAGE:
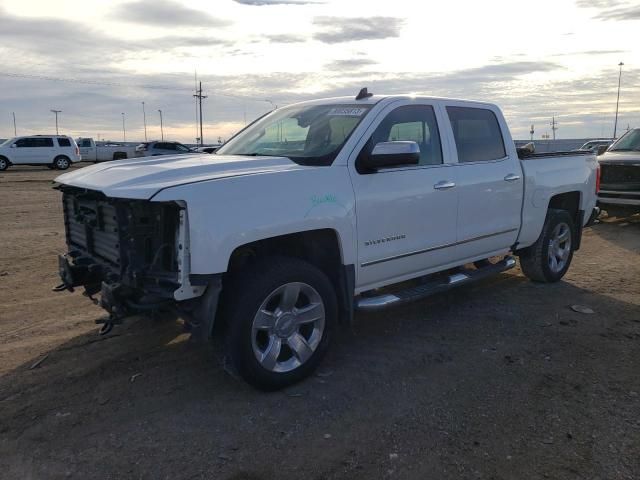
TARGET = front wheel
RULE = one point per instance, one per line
(549, 258)
(61, 163)
(280, 315)
(4, 164)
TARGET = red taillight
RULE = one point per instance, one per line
(77, 150)
(598, 180)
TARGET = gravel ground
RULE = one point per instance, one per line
(501, 380)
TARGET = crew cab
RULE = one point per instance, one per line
(54, 151)
(317, 210)
(620, 176)
(105, 151)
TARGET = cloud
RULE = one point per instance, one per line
(589, 52)
(165, 13)
(349, 64)
(616, 10)
(340, 29)
(262, 3)
(285, 38)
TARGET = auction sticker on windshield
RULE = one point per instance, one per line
(347, 111)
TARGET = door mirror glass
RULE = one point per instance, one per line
(14, 145)
(392, 154)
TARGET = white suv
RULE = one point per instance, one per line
(54, 151)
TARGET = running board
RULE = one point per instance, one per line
(416, 293)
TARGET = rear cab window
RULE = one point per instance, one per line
(477, 134)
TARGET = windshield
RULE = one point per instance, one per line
(307, 134)
(7, 142)
(628, 142)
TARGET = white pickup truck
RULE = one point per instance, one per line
(92, 152)
(316, 210)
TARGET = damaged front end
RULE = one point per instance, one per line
(133, 253)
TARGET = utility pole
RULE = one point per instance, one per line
(531, 132)
(144, 120)
(200, 97)
(161, 130)
(124, 131)
(15, 131)
(615, 125)
(554, 126)
(56, 113)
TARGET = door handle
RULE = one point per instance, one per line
(444, 185)
(512, 177)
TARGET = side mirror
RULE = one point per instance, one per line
(601, 149)
(13, 145)
(392, 154)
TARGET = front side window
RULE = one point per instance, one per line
(306, 134)
(477, 134)
(85, 143)
(24, 143)
(181, 148)
(416, 123)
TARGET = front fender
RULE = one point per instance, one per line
(225, 214)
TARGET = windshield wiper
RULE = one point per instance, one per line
(620, 150)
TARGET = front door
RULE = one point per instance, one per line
(406, 216)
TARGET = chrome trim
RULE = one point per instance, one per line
(438, 247)
(457, 277)
(373, 303)
(444, 185)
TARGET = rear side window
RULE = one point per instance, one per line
(64, 142)
(34, 142)
(477, 134)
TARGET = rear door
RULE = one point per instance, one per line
(406, 216)
(87, 149)
(489, 181)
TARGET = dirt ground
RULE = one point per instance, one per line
(501, 380)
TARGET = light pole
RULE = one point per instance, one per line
(615, 125)
(144, 120)
(15, 131)
(56, 113)
(161, 130)
(124, 131)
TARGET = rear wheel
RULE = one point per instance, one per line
(280, 315)
(549, 258)
(4, 164)
(61, 163)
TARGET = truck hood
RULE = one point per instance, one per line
(628, 158)
(142, 178)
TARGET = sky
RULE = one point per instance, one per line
(97, 60)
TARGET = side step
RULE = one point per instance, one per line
(430, 288)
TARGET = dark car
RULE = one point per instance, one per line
(151, 149)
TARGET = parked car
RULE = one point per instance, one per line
(620, 176)
(594, 145)
(103, 152)
(54, 151)
(316, 210)
(151, 149)
(208, 149)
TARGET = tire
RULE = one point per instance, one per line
(549, 258)
(120, 155)
(61, 163)
(4, 164)
(280, 315)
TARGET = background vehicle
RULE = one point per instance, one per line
(208, 149)
(54, 151)
(593, 145)
(151, 149)
(620, 176)
(104, 152)
(319, 209)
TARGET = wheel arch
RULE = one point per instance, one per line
(570, 202)
(320, 247)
